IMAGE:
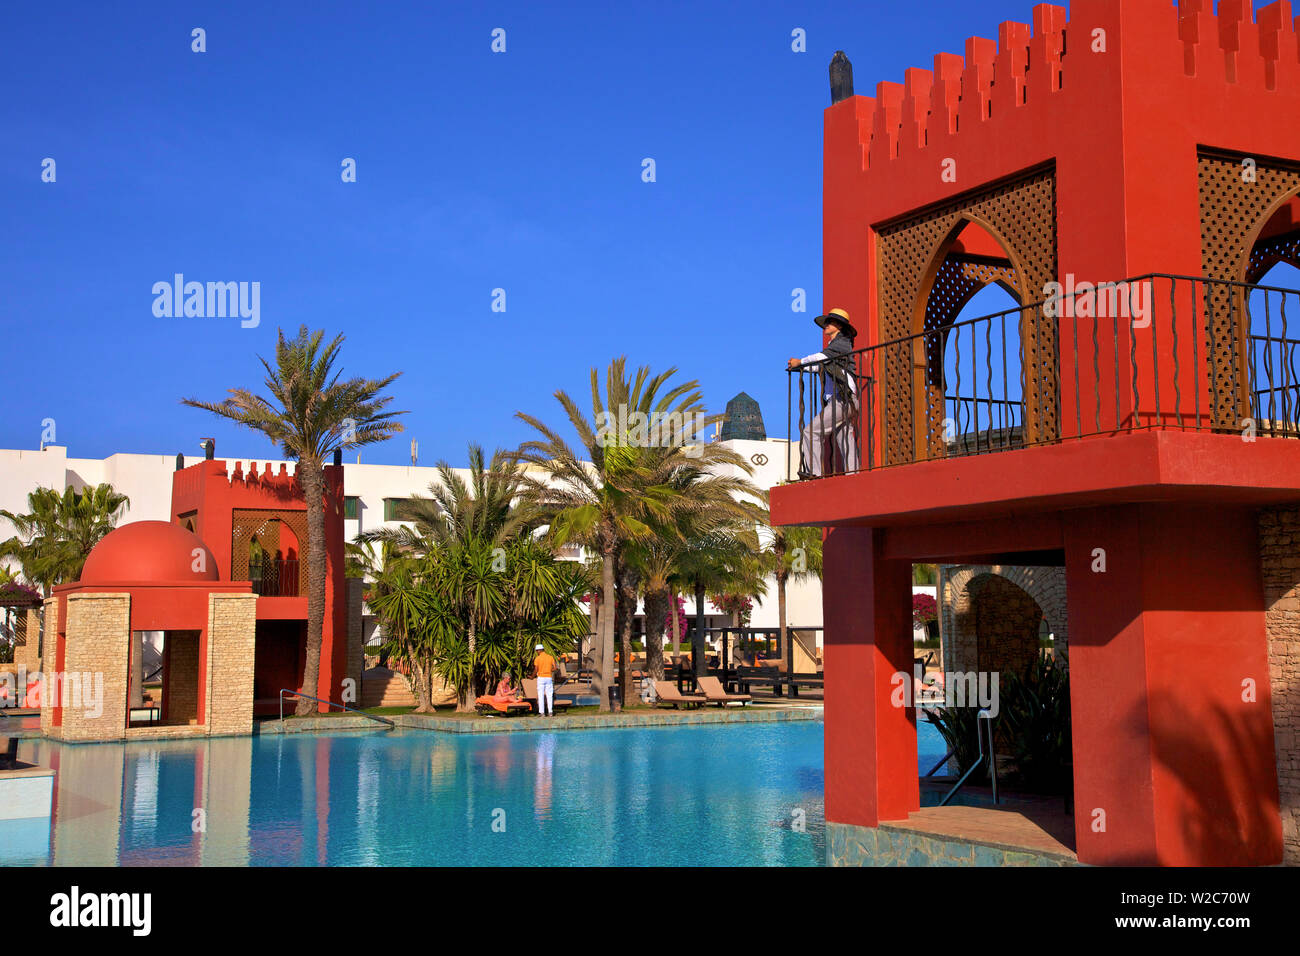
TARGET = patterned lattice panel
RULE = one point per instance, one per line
(1270, 252)
(1022, 213)
(1234, 207)
(250, 524)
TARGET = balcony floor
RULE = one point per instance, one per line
(1147, 466)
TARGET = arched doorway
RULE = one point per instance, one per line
(993, 616)
(969, 353)
(1272, 320)
(1250, 222)
(930, 267)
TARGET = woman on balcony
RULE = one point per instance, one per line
(837, 419)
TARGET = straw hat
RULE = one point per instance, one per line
(838, 317)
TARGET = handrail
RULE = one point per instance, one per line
(329, 703)
(976, 393)
(980, 719)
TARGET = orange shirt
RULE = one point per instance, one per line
(545, 664)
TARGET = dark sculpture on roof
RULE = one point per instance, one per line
(744, 420)
(841, 77)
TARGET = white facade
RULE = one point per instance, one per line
(147, 481)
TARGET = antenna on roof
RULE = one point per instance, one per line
(415, 452)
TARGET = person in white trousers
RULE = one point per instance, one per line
(544, 664)
(835, 420)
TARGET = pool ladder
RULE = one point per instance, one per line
(982, 719)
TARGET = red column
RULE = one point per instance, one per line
(1172, 714)
(871, 768)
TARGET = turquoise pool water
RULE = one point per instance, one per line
(714, 796)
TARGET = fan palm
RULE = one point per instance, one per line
(310, 413)
(59, 530)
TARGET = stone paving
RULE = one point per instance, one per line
(950, 836)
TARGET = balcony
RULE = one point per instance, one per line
(1175, 373)
(274, 577)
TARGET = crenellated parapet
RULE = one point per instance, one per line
(281, 481)
(1019, 74)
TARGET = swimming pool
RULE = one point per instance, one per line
(706, 795)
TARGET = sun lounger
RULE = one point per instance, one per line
(666, 693)
(488, 704)
(530, 695)
(715, 694)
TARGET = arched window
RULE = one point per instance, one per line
(970, 355)
(1272, 321)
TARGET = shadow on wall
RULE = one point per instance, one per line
(1225, 770)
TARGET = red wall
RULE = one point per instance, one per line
(211, 493)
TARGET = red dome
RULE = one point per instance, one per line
(148, 552)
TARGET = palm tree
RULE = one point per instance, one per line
(708, 502)
(486, 507)
(59, 531)
(631, 486)
(654, 559)
(794, 554)
(722, 559)
(465, 529)
(400, 598)
(543, 599)
(310, 414)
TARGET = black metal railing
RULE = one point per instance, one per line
(1156, 351)
(274, 577)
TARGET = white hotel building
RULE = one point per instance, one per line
(372, 492)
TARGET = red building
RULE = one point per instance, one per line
(1140, 435)
(256, 526)
(224, 584)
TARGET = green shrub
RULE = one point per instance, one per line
(1034, 725)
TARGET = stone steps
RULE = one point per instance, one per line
(381, 687)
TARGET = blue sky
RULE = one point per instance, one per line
(475, 171)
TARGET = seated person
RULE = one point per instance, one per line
(505, 693)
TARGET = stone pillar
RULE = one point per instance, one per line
(231, 636)
(1171, 705)
(51, 640)
(1279, 555)
(98, 640)
(871, 763)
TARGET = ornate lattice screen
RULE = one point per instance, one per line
(1236, 197)
(1022, 212)
(264, 525)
